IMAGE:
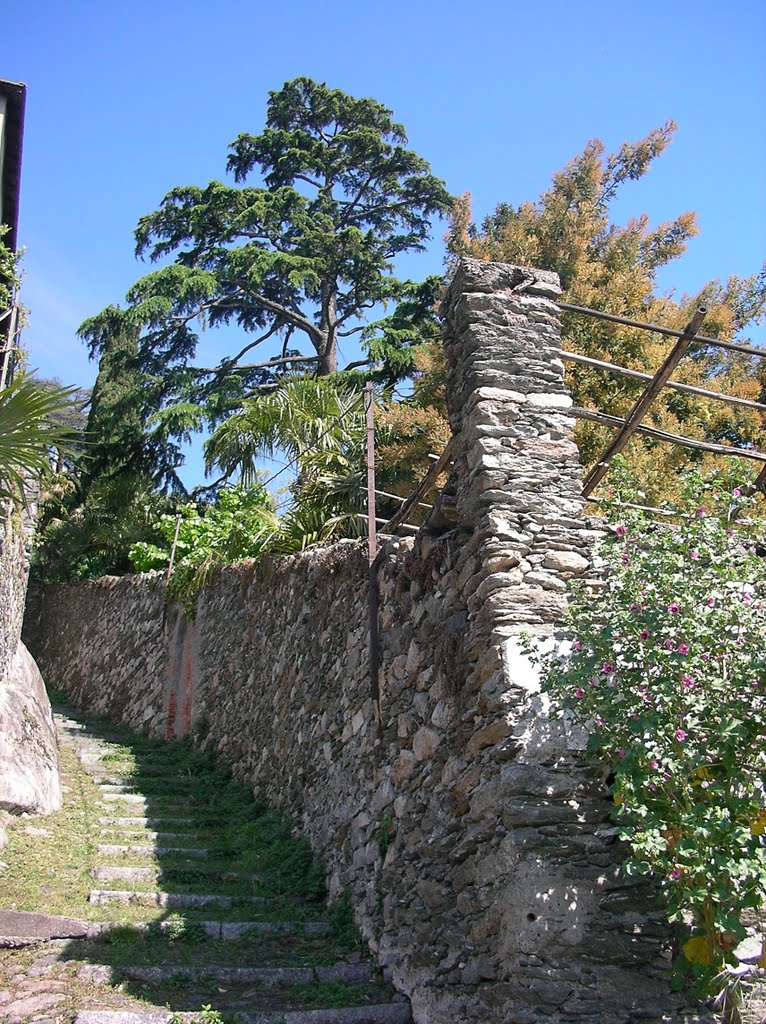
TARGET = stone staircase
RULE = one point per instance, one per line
(193, 915)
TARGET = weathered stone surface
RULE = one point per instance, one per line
(29, 766)
(29, 770)
(20, 925)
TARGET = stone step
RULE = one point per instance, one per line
(269, 977)
(109, 873)
(142, 799)
(384, 1013)
(134, 820)
(228, 931)
(156, 837)
(171, 900)
(191, 852)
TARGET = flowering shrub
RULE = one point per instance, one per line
(668, 673)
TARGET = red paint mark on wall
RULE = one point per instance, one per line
(170, 729)
(187, 685)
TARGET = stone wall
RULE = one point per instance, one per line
(471, 835)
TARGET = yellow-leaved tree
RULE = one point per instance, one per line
(614, 268)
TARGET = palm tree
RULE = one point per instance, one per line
(28, 433)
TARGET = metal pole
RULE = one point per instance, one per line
(372, 551)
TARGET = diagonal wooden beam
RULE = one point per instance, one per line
(433, 472)
(644, 403)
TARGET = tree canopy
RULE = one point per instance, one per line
(297, 261)
(614, 268)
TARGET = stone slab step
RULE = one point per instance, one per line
(191, 852)
(142, 800)
(155, 837)
(172, 900)
(131, 873)
(352, 974)
(385, 1013)
(229, 931)
(23, 927)
(134, 820)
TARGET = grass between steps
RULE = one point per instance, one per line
(52, 871)
(48, 865)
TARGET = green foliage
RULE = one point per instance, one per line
(122, 403)
(239, 526)
(9, 271)
(316, 422)
(304, 255)
(94, 538)
(28, 432)
(668, 672)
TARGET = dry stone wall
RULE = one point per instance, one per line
(471, 835)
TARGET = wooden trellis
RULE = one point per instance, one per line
(633, 422)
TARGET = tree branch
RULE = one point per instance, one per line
(290, 315)
(232, 367)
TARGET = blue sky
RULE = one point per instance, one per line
(127, 100)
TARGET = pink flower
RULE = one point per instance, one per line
(579, 693)
(670, 645)
(683, 648)
(710, 602)
(695, 554)
(736, 492)
(674, 608)
(577, 645)
(701, 512)
(689, 682)
(680, 735)
(607, 668)
(621, 529)
(652, 787)
(621, 752)
(625, 559)
(655, 765)
(675, 874)
(644, 634)
(746, 598)
(633, 608)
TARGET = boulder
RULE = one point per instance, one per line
(29, 762)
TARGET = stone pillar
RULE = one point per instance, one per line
(516, 484)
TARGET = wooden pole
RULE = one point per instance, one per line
(689, 389)
(372, 552)
(671, 332)
(642, 406)
(173, 549)
(663, 435)
(414, 499)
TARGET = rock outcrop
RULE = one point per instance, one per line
(29, 766)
